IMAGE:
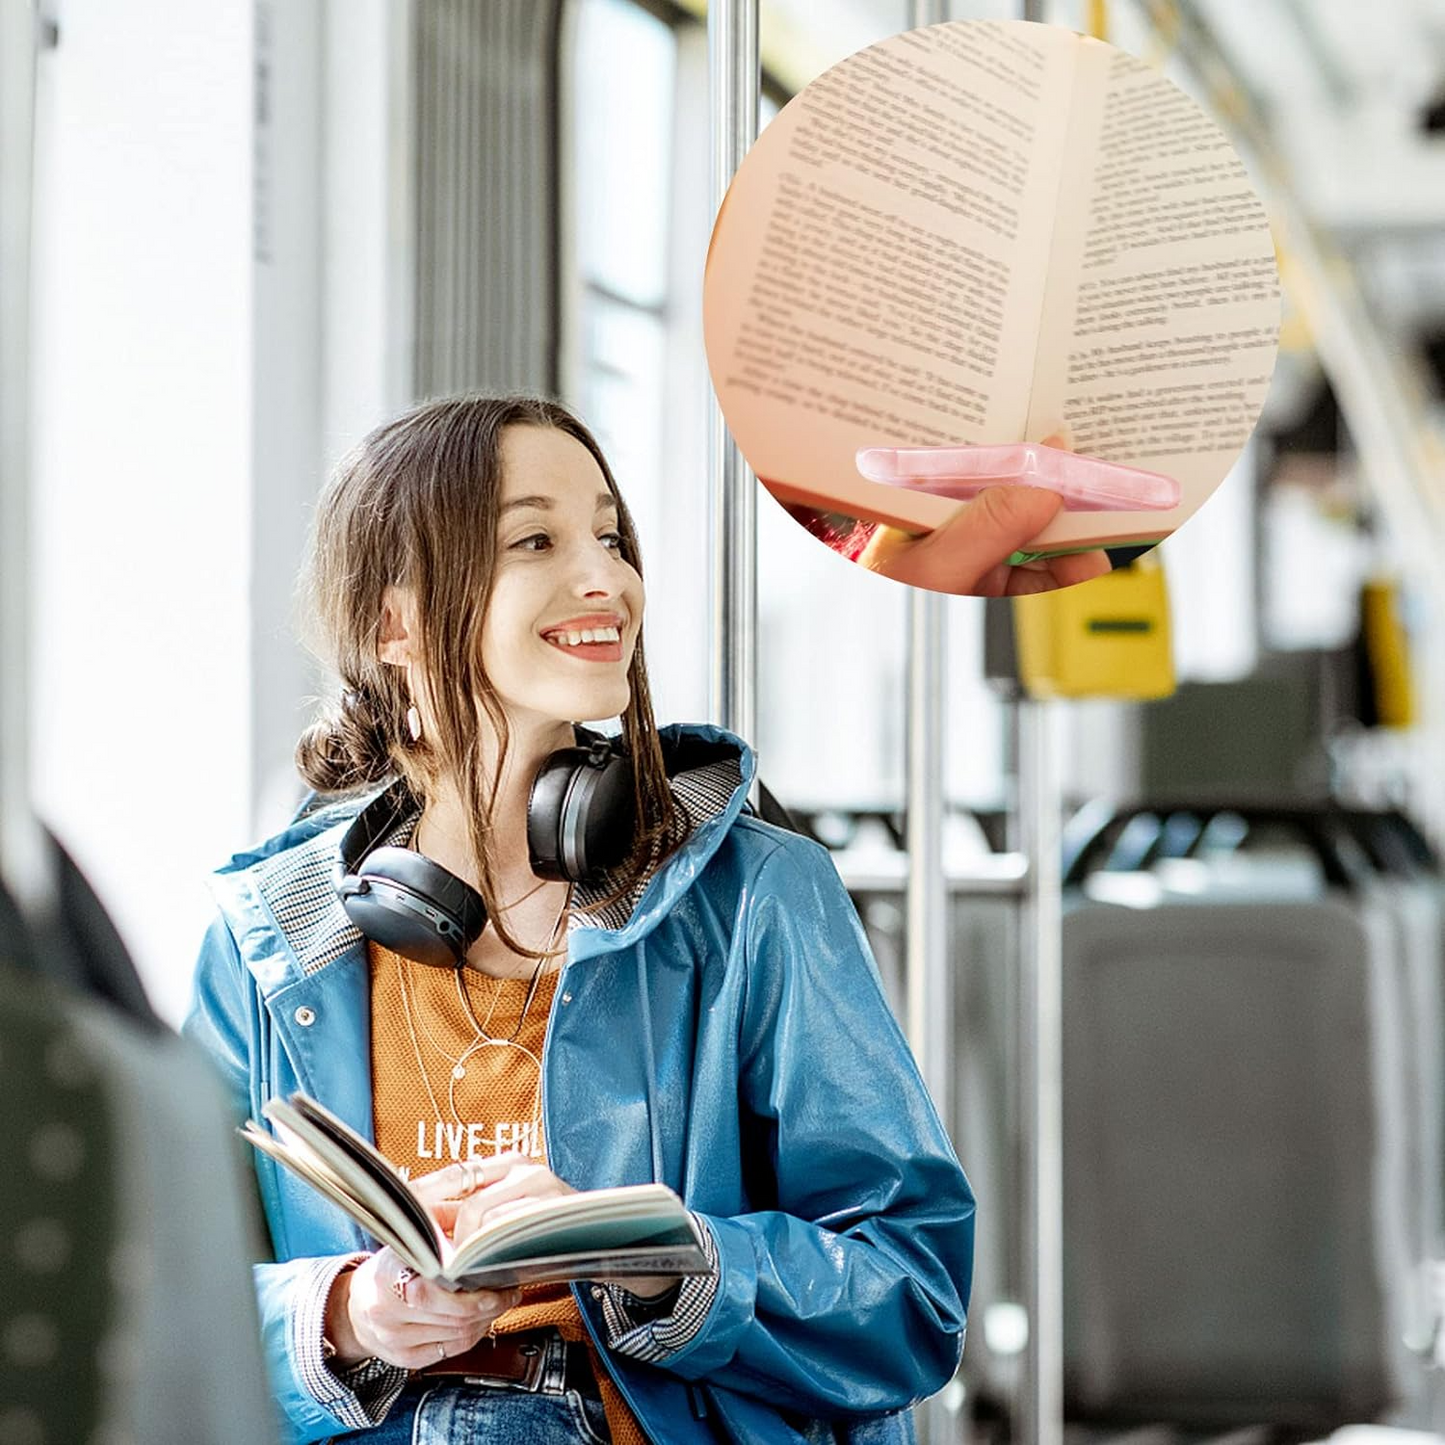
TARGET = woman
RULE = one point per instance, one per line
(704, 1013)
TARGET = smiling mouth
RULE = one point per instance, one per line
(590, 644)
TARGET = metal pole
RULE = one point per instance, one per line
(1041, 1070)
(1040, 1060)
(930, 995)
(930, 1013)
(26, 863)
(732, 42)
(927, 954)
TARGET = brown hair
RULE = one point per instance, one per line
(417, 504)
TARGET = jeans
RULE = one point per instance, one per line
(448, 1411)
(446, 1414)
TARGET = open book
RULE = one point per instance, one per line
(980, 233)
(642, 1229)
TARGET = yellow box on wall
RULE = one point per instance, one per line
(1105, 638)
(1387, 650)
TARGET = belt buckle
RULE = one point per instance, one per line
(536, 1358)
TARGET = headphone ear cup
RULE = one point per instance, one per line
(603, 827)
(413, 906)
(581, 814)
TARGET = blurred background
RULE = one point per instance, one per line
(260, 227)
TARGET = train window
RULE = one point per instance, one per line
(620, 69)
(622, 137)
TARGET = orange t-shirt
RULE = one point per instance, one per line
(439, 1096)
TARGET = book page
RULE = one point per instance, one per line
(876, 274)
(632, 1229)
(1162, 320)
(613, 1263)
(591, 1220)
(367, 1175)
(296, 1155)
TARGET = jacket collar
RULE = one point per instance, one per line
(281, 903)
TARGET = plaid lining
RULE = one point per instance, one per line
(300, 887)
(359, 1395)
(652, 1340)
(699, 794)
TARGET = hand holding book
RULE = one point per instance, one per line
(383, 1310)
(487, 1191)
(972, 231)
(546, 1231)
(975, 552)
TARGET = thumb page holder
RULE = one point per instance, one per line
(1086, 484)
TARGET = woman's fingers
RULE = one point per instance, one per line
(885, 546)
(522, 1182)
(966, 553)
(407, 1334)
(445, 1214)
(384, 1290)
(1058, 572)
(443, 1190)
(429, 1303)
(416, 1347)
(533, 1182)
(403, 1318)
(458, 1180)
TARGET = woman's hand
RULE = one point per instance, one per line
(482, 1191)
(382, 1309)
(969, 553)
(507, 1183)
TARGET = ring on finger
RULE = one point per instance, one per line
(441, 1349)
(399, 1284)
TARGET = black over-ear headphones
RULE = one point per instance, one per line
(581, 818)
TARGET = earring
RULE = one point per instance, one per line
(413, 723)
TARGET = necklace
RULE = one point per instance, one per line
(464, 997)
(481, 1038)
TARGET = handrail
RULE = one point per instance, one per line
(1349, 843)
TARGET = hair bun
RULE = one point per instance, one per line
(347, 749)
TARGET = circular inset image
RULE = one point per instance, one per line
(986, 299)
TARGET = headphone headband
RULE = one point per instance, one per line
(377, 821)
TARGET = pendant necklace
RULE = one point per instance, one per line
(484, 1040)
(481, 1038)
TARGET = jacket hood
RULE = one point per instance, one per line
(287, 885)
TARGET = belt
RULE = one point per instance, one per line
(540, 1361)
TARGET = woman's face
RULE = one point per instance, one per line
(566, 609)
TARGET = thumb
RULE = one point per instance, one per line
(958, 556)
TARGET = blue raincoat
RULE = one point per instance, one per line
(729, 1039)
